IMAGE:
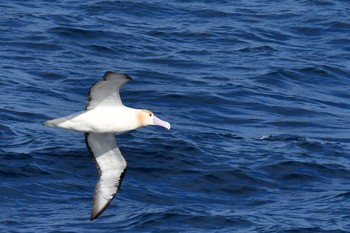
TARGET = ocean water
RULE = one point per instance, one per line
(257, 93)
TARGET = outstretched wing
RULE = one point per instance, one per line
(111, 166)
(106, 92)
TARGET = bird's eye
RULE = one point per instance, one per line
(150, 114)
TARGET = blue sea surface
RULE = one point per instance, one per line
(257, 92)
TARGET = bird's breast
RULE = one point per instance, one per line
(112, 120)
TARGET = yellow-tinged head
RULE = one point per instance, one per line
(145, 117)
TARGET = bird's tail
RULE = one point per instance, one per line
(54, 122)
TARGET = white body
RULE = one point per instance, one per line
(100, 120)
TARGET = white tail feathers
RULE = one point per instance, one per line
(54, 122)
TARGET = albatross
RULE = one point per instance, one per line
(104, 116)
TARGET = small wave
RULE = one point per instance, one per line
(75, 32)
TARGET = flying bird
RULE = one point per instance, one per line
(104, 116)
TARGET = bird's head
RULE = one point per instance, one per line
(146, 117)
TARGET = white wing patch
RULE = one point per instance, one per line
(111, 166)
(106, 92)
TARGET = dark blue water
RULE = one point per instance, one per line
(257, 93)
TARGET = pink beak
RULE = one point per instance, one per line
(157, 121)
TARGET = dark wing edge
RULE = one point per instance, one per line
(95, 213)
(89, 97)
(111, 74)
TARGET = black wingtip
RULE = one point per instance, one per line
(92, 218)
(108, 72)
(126, 76)
(95, 214)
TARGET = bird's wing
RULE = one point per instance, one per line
(106, 92)
(111, 166)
